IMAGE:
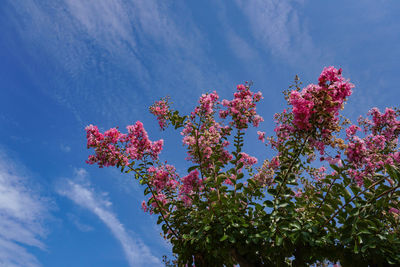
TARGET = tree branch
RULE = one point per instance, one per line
(158, 204)
(351, 200)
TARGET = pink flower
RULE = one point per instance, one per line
(189, 184)
(242, 108)
(247, 160)
(160, 109)
(261, 136)
(394, 210)
(298, 193)
(114, 148)
(155, 148)
(228, 181)
(352, 130)
(335, 161)
(207, 103)
(144, 206)
(274, 164)
(163, 177)
(302, 110)
(206, 140)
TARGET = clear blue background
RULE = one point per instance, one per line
(65, 64)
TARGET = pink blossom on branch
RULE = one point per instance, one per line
(315, 112)
(163, 177)
(377, 148)
(189, 185)
(161, 110)
(247, 160)
(114, 148)
(242, 108)
(261, 136)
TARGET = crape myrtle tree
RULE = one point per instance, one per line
(329, 194)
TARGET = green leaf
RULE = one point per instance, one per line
(268, 203)
(146, 191)
(393, 172)
(335, 167)
(272, 191)
(239, 186)
(221, 178)
(192, 168)
(355, 248)
(278, 240)
(224, 238)
(239, 166)
(284, 204)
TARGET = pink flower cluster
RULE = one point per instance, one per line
(261, 136)
(265, 174)
(283, 129)
(315, 111)
(114, 148)
(242, 108)
(204, 136)
(274, 164)
(394, 210)
(190, 183)
(229, 180)
(302, 110)
(207, 104)
(207, 141)
(319, 105)
(163, 177)
(160, 109)
(247, 160)
(317, 175)
(377, 148)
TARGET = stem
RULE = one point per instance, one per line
(322, 202)
(351, 200)
(158, 204)
(286, 175)
(201, 167)
(386, 192)
(290, 168)
(293, 162)
(237, 155)
(381, 195)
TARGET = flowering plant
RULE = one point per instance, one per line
(329, 193)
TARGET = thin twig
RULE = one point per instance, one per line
(293, 162)
(351, 200)
(327, 192)
(158, 204)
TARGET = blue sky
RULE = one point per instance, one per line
(69, 63)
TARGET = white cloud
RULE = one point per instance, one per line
(22, 212)
(99, 48)
(277, 26)
(77, 222)
(137, 253)
(65, 148)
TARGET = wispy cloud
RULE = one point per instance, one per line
(22, 214)
(81, 193)
(277, 26)
(77, 222)
(65, 148)
(105, 52)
